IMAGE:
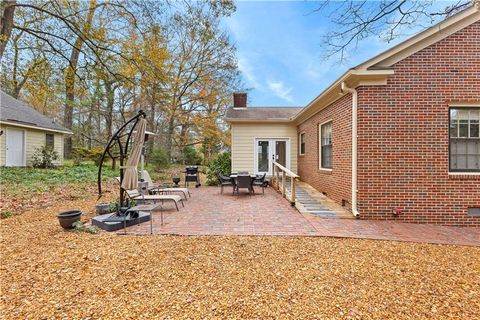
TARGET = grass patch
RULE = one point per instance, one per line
(39, 179)
(7, 214)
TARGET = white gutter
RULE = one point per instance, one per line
(354, 146)
(17, 124)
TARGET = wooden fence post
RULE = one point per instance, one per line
(273, 175)
(292, 188)
(283, 184)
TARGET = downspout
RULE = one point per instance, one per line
(354, 146)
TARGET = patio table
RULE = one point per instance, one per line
(234, 176)
(149, 208)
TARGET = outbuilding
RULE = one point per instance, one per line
(23, 129)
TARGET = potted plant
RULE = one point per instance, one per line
(67, 218)
(176, 180)
(103, 208)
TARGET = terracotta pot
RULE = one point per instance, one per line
(67, 218)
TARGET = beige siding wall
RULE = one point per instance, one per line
(243, 142)
(2, 145)
(34, 139)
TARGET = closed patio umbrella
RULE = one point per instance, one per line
(130, 179)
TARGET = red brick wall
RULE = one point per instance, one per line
(403, 138)
(336, 183)
(403, 135)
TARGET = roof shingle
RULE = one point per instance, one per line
(15, 111)
(262, 113)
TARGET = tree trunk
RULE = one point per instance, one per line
(110, 92)
(170, 132)
(151, 120)
(7, 9)
(70, 79)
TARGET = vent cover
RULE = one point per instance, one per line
(474, 212)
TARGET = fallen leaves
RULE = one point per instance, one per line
(49, 273)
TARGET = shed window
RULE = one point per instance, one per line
(301, 143)
(50, 141)
(464, 139)
(326, 145)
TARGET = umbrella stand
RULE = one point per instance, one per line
(116, 138)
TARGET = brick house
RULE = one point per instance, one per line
(396, 137)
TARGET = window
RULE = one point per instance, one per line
(326, 145)
(50, 141)
(301, 143)
(465, 139)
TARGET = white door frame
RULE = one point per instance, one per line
(271, 153)
(24, 160)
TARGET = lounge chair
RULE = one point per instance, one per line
(135, 195)
(225, 181)
(163, 190)
(259, 181)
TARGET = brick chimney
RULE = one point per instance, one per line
(239, 100)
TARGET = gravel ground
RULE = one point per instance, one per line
(47, 273)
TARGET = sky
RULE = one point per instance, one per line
(280, 53)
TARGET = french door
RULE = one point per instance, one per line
(269, 150)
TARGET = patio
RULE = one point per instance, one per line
(208, 212)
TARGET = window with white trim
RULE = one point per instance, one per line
(301, 143)
(464, 142)
(326, 145)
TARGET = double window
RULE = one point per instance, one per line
(464, 144)
(301, 143)
(326, 145)
(50, 140)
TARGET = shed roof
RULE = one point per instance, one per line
(16, 112)
(262, 113)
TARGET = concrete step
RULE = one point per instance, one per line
(311, 205)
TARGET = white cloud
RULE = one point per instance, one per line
(279, 89)
(247, 71)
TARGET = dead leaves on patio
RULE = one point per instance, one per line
(48, 273)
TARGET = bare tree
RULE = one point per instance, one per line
(354, 21)
(7, 10)
(70, 75)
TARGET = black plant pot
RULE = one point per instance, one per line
(176, 181)
(67, 218)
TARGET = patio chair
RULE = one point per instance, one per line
(135, 195)
(244, 182)
(152, 188)
(225, 181)
(259, 181)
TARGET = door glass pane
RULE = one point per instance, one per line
(262, 147)
(280, 151)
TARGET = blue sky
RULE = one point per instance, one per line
(280, 53)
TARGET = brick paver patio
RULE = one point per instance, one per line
(208, 212)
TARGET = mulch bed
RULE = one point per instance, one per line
(47, 273)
